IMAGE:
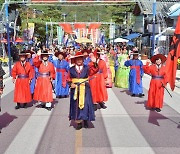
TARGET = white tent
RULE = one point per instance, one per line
(120, 40)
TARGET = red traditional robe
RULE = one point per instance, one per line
(43, 88)
(156, 90)
(23, 75)
(98, 84)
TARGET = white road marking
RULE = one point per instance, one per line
(28, 138)
(123, 135)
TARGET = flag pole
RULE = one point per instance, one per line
(153, 30)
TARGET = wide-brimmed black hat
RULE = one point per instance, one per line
(60, 53)
(29, 52)
(135, 53)
(45, 53)
(158, 56)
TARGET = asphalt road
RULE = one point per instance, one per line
(124, 127)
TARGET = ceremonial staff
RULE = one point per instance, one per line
(166, 89)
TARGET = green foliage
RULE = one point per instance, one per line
(54, 13)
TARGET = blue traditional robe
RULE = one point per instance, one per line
(35, 71)
(134, 87)
(87, 60)
(87, 113)
(62, 68)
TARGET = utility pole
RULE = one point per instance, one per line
(8, 39)
(153, 30)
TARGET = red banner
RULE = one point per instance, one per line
(94, 26)
(79, 26)
(66, 27)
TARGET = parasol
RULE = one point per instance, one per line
(83, 40)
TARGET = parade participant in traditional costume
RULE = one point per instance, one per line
(135, 75)
(43, 88)
(62, 68)
(98, 84)
(87, 58)
(104, 57)
(81, 105)
(122, 73)
(112, 59)
(35, 70)
(158, 81)
(22, 73)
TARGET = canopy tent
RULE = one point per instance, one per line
(132, 36)
(175, 10)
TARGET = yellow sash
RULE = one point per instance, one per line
(81, 91)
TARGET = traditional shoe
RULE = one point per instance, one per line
(158, 109)
(102, 105)
(95, 107)
(17, 106)
(85, 124)
(133, 95)
(141, 95)
(79, 126)
(42, 105)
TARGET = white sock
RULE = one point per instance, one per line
(48, 104)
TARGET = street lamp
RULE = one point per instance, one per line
(64, 16)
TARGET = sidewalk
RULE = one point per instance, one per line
(6, 69)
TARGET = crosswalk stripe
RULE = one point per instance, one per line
(123, 133)
(28, 138)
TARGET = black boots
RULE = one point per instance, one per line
(102, 105)
(85, 124)
(158, 109)
(17, 106)
(25, 105)
(141, 95)
(95, 107)
(79, 126)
